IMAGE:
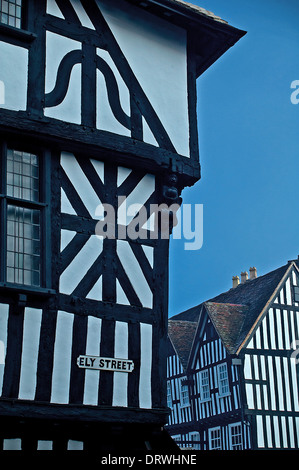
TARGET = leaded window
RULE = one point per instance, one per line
(23, 245)
(11, 12)
(23, 208)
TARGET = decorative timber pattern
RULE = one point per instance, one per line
(40, 361)
(115, 270)
(108, 291)
(110, 89)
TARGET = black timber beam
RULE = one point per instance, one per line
(102, 144)
(80, 413)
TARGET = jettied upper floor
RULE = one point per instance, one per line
(117, 76)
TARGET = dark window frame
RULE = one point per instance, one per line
(43, 205)
(23, 18)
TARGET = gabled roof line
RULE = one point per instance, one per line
(169, 337)
(248, 336)
(242, 308)
(195, 334)
(178, 353)
(297, 267)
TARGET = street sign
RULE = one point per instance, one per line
(105, 363)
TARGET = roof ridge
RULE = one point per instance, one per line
(288, 268)
(228, 320)
(200, 10)
(235, 313)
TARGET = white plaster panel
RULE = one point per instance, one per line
(82, 262)
(4, 308)
(56, 48)
(96, 292)
(66, 237)
(81, 13)
(105, 117)
(80, 182)
(62, 358)
(75, 445)
(65, 204)
(30, 350)
(145, 395)
(12, 444)
(120, 379)
(134, 273)
(13, 82)
(156, 52)
(138, 197)
(93, 342)
(44, 445)
(121, 297)
(52, 9)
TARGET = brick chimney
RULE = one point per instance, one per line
(236, 281)
(253, 273)
(244, 277)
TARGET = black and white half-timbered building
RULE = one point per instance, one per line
(97, 114)
(233, 366)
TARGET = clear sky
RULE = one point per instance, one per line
(249, 154)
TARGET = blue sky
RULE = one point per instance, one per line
(249, 154)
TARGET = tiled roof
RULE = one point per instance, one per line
(235, 312)
(181, 334)
(228, 320)
(198, 9)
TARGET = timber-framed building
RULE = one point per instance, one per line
(97, 109)
(233, 366)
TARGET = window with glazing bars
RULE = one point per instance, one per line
(11, 12)
(184, 393)
(223, 383)
(215, 439)
(22, 213)
(169, 397)
(204, 385)
(235, 436)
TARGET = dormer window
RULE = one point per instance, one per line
(11, 12)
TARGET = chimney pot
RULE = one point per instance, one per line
(244, 277)
(253, 273)
(236, 281)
